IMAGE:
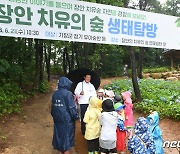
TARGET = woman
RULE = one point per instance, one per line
(64, 115)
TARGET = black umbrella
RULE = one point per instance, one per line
(77, 76)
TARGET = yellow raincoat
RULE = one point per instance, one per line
(91, 119)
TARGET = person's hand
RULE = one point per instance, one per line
(82, 93)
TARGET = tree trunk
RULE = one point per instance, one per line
(133, 67)
(37, 65)
(67, 59)
(140, 62)
(72, 56)
(64, 63)
(85, 55)
(126, 3)
(41, 77)
(76, 54)
(47, 60)
(134, 75)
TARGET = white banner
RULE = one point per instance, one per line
(80, 21)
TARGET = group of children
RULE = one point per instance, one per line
(109, 124)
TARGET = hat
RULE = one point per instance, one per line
(109, 93)
(107, 105)
(117, 98)
(101, 91)
(119, 106)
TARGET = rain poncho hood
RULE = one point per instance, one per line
(64, 83)
(64, 115)
(141, 126)
(153, 120)
(142, 142)
(93, 102)
(127, 97)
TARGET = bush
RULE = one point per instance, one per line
(156, 70)
(159, 95)
(10, 98)
(43, 87)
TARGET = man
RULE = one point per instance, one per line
(64, 115)
(84, 90)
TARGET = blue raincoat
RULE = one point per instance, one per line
(156, 131)
(142, 142)
(64, 115)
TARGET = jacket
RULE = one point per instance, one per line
(91, 119)
(64, 115)
(88, 89)
(153, 120)
(142, 142)
(129, 118)
(108, 122)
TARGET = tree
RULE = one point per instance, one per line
(133, 68)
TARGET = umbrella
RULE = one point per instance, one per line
(77, 76)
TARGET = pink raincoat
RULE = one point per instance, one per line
(129, 119)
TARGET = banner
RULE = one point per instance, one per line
(79, 21)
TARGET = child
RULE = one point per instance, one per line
(142, 142)
(109, 94)
(153, 120)
(108, 121)
(100, 94)
(121, 130)
(118, 99)
(128, 112)
(92, 132)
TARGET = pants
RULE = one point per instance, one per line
(83, 108)
(93, 145)
(107, 151)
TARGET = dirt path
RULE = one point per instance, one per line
(31, 132)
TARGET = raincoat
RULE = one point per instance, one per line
(64, 115)
(107, 137)
(156, 132)
(142, 142)
(129, 119)
(91, 119)
(121, 134)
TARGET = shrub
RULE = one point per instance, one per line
(10, 97)
(159, 95)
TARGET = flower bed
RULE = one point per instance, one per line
(162, 96)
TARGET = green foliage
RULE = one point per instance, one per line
(159, 95)
(10, 98)
(43, 87)
(156, 70)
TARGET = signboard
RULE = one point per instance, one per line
(80, 21)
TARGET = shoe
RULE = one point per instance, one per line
(90, 153)
(96, 152)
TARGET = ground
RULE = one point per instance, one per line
(31, 131)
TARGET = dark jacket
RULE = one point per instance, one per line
(64, 115)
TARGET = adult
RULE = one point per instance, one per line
(84, 90)
(64, 113)
(125, 70)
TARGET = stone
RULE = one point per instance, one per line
(172, 78)
(156, 75)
